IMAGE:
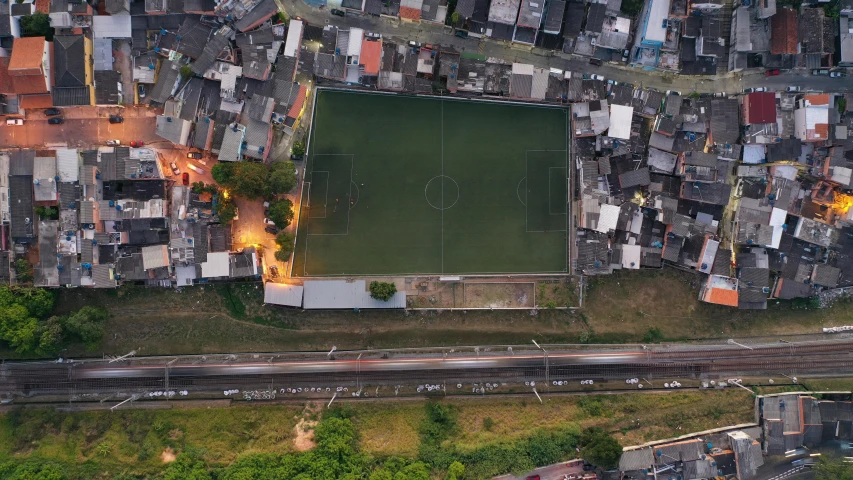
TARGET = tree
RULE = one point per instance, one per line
(599, 448)
(37, 301)
(281, 178)
(186, 72)
(52, 336)
(36, 25)
(298, 149)
(832, 468)
(382, 290)
(87, 325)
(23, 270)
(454, 18)
(455, 471)
(281, 213)
(223, 173)
(284, 241)
(225, 210)
(250, 179)
(47, 212)
(198, 187)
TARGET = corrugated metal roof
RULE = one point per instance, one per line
(282, 294)
(335, 294)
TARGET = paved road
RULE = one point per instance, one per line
(80, 130)
(557, 471)
(399, 31)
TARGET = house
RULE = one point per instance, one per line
(111, 26)
(72, 71)
(117, 7)
(173, 129)
(812, 116)
(720, 290)
(725, 124)
(371, 56)
(554, 18)
(759, 107)
(29, 70)
(168, 78)
(651, 31)
(502, 17)
(108, 87)
(750, 34)
(232, 143)
(21, 166)
(529, 21)
(846, 41)
(784, 29)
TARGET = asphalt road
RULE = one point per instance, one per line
(78, 132)
(402, 32)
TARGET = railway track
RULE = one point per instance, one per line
(142, 375)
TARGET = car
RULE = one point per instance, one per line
(596, 61)
(597, 77)
(56, 121)
(52, 111)
(185, 178)
(533, 477)
(792, 89)
(415, 44)
(820, 71)
(113, 143)
(755, 90)
(720, 95)
(194, 168)
(140, 89)
(338, 12)
(673, 92)
(194, 155)
(267, 221)
(461, 33)
(116, 119)
(175, 169)
(137, 144)
(773, 72)
(14, 121)
(837, 74)
(271, 229)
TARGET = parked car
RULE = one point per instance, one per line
(792, 89)
(820, 71)
(837, 74)
(338, 12)
(597, 77)
(673, 92)
(720, 95)
(267, 221)
(137, 144)
(140, 89)
(52, 111)
(175, 169)
(185, 178)
(113, 143)
(272, 229)
(194, 168)
(773, 72)
(56, 121)
(756, 89)
(596, 61)
(462, 33)
(415, 44)
(194, 155)
(116, 119)
(14, 121)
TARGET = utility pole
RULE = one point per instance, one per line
(545, 357)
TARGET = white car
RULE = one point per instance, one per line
(113, 143)
(194, 168)
(267, 221)
(673, 92)
(175, 169)
(792, 89)
(597, 77)
(14, 121)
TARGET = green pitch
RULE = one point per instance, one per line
(404, 185)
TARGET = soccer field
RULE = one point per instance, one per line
(400, 185)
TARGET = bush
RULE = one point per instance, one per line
(599, 448)
(281, 213)
(382, 290)
(186, 72)
(653, 335)
(37, 25)
(284, 241)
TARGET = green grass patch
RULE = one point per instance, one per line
(399, 185)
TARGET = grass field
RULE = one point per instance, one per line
(404, 185)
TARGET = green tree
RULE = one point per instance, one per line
(454, 18)
(186, 72)
(281, 212)
(833, 468)
(455, 471)
(223, 173)
(250, 180)
(37, 301)
(23, 271)
(51, 336)
(382, 290)
(87, 325)
(298, 149)
(188, 467)
(281, 178)
(198, 187)
(599, 448)
(37, 25)
(32, 470)
(284, 241)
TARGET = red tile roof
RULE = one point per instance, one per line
(43, 6)
(721, 296)
(784, 32)
(5, 79)
(371, 55)
(27, 84)
(760, 108)
(36, 101)
(300, 101)
(410, 13)
(26, 56)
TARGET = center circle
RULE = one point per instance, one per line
(441, 192)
